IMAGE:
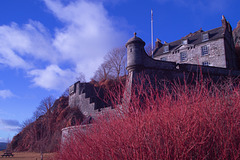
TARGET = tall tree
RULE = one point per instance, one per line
(117, 59)
(148, 49)
(103, 71)
(113, 66)
(44, 107)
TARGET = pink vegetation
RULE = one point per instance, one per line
(200, 121)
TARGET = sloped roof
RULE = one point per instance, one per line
(193, 39)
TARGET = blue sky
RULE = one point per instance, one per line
(45, 44)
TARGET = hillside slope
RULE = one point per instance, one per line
(44, 134)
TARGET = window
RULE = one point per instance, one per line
(204, 50)
(163, 59)
(185, 41)
(205, 37)
(183, 56)
(205, 63)
(166, 49)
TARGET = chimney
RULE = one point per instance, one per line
(158, 43)
(224, 22)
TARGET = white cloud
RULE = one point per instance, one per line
(9, 125)
(88, 35)
(21, 45)
(2, 139)
(53, 77)
(6, 94)
(9, 58)
(79, 46)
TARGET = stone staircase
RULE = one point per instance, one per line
(88, 98)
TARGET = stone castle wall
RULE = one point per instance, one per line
(87, 98)
(139, 63)
(90, 99)
(215, 57)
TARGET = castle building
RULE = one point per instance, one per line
(214, 47)
(178, 60)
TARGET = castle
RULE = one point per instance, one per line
(213, 49)
(210, 48)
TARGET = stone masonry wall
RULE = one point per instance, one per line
(215, 57)
(83, 96)
(87, 98)
(172, 71)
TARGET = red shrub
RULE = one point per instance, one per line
(183, 122)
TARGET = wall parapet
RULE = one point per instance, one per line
(69, 132)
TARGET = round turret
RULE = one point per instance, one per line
(135, 53)
(135, 39)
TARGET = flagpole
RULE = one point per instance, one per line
(152, 30)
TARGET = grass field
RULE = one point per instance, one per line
(28, 156)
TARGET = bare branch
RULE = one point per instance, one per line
(114, 65)
(81, 77)
(44, 107)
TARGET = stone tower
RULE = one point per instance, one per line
(135, 62)
(135, 54)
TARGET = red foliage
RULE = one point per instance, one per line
(184, 122)
(44, 134)
(108, 84)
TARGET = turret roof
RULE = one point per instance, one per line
(135, 39)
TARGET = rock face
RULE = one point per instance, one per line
(44, 134)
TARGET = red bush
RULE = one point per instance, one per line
(200, 121)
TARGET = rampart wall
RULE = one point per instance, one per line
(139, 63)
(89, 99)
